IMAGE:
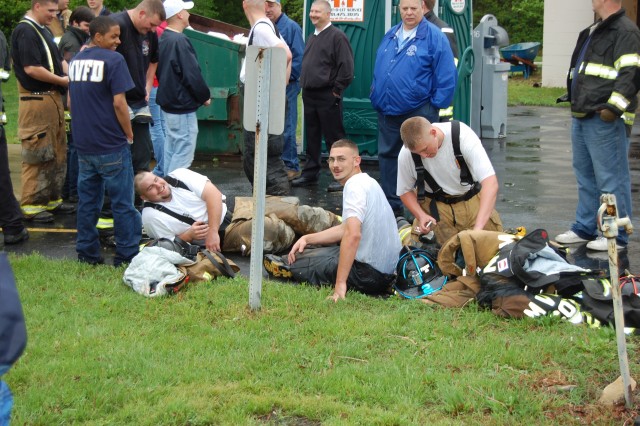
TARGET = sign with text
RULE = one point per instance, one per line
(347, 10)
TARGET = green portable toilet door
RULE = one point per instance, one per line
(363, 21)
(459, 15)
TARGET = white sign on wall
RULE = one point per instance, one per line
(458, 5)
(347, 10)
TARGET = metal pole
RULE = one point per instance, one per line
(259, 178)
(608, 221)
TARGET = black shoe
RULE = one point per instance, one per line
(42, 217)
(275, 267)
(334, 187)
(304, 181)
(64, 208)
(91, 261)
(17, 238)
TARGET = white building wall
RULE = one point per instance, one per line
(563, 20)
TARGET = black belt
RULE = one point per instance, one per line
(448, 199)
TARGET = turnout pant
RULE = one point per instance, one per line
(459, 217)
(44, 150)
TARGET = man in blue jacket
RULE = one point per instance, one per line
(181, 88)
(292, 35)
(414, 75)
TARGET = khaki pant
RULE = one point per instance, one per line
(44, 150)
(459, 217)
(284, 219)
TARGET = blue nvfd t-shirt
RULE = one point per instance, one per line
(96, 75)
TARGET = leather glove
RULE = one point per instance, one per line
(608, 115)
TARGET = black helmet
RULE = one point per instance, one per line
(418, 274)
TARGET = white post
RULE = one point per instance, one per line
(608, 222)
(259, 178)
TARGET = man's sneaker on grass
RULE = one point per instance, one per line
(600, 244)
(569, 237)
(275, 267)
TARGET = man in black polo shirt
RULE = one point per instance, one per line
(139, 46)
(41, 81)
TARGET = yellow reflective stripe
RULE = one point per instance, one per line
(54, 204)
(618, 101)
(629, 118)
(44, 43)
(404, 232)
(579, 114)
(31, 209)
(446, 112)
(105, 223)
(602, 71)
(628, 60)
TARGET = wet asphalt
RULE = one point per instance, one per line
(533, 165)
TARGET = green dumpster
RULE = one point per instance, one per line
(219, 124)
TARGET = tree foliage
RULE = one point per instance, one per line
(522, 19)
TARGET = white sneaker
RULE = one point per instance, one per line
(142, 115)
(600, 244)
(569, 237)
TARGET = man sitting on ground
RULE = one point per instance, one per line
(368, 236)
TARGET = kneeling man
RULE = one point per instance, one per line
(368, 236)
(461, 191)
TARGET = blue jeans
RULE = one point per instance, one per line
(290, 149)
(158, 132)
(601, 165)
(6, 402)
(180, 143)
(389, 144)
(115, 173)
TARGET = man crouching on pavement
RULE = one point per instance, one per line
(460, 193)
(183, 204)
(368, 236)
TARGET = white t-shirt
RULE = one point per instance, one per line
(443, 167)
(264, 36)
(380, 245)
(187, 203)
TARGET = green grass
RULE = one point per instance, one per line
(10, 95)
(99, 353)
(530, 92)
